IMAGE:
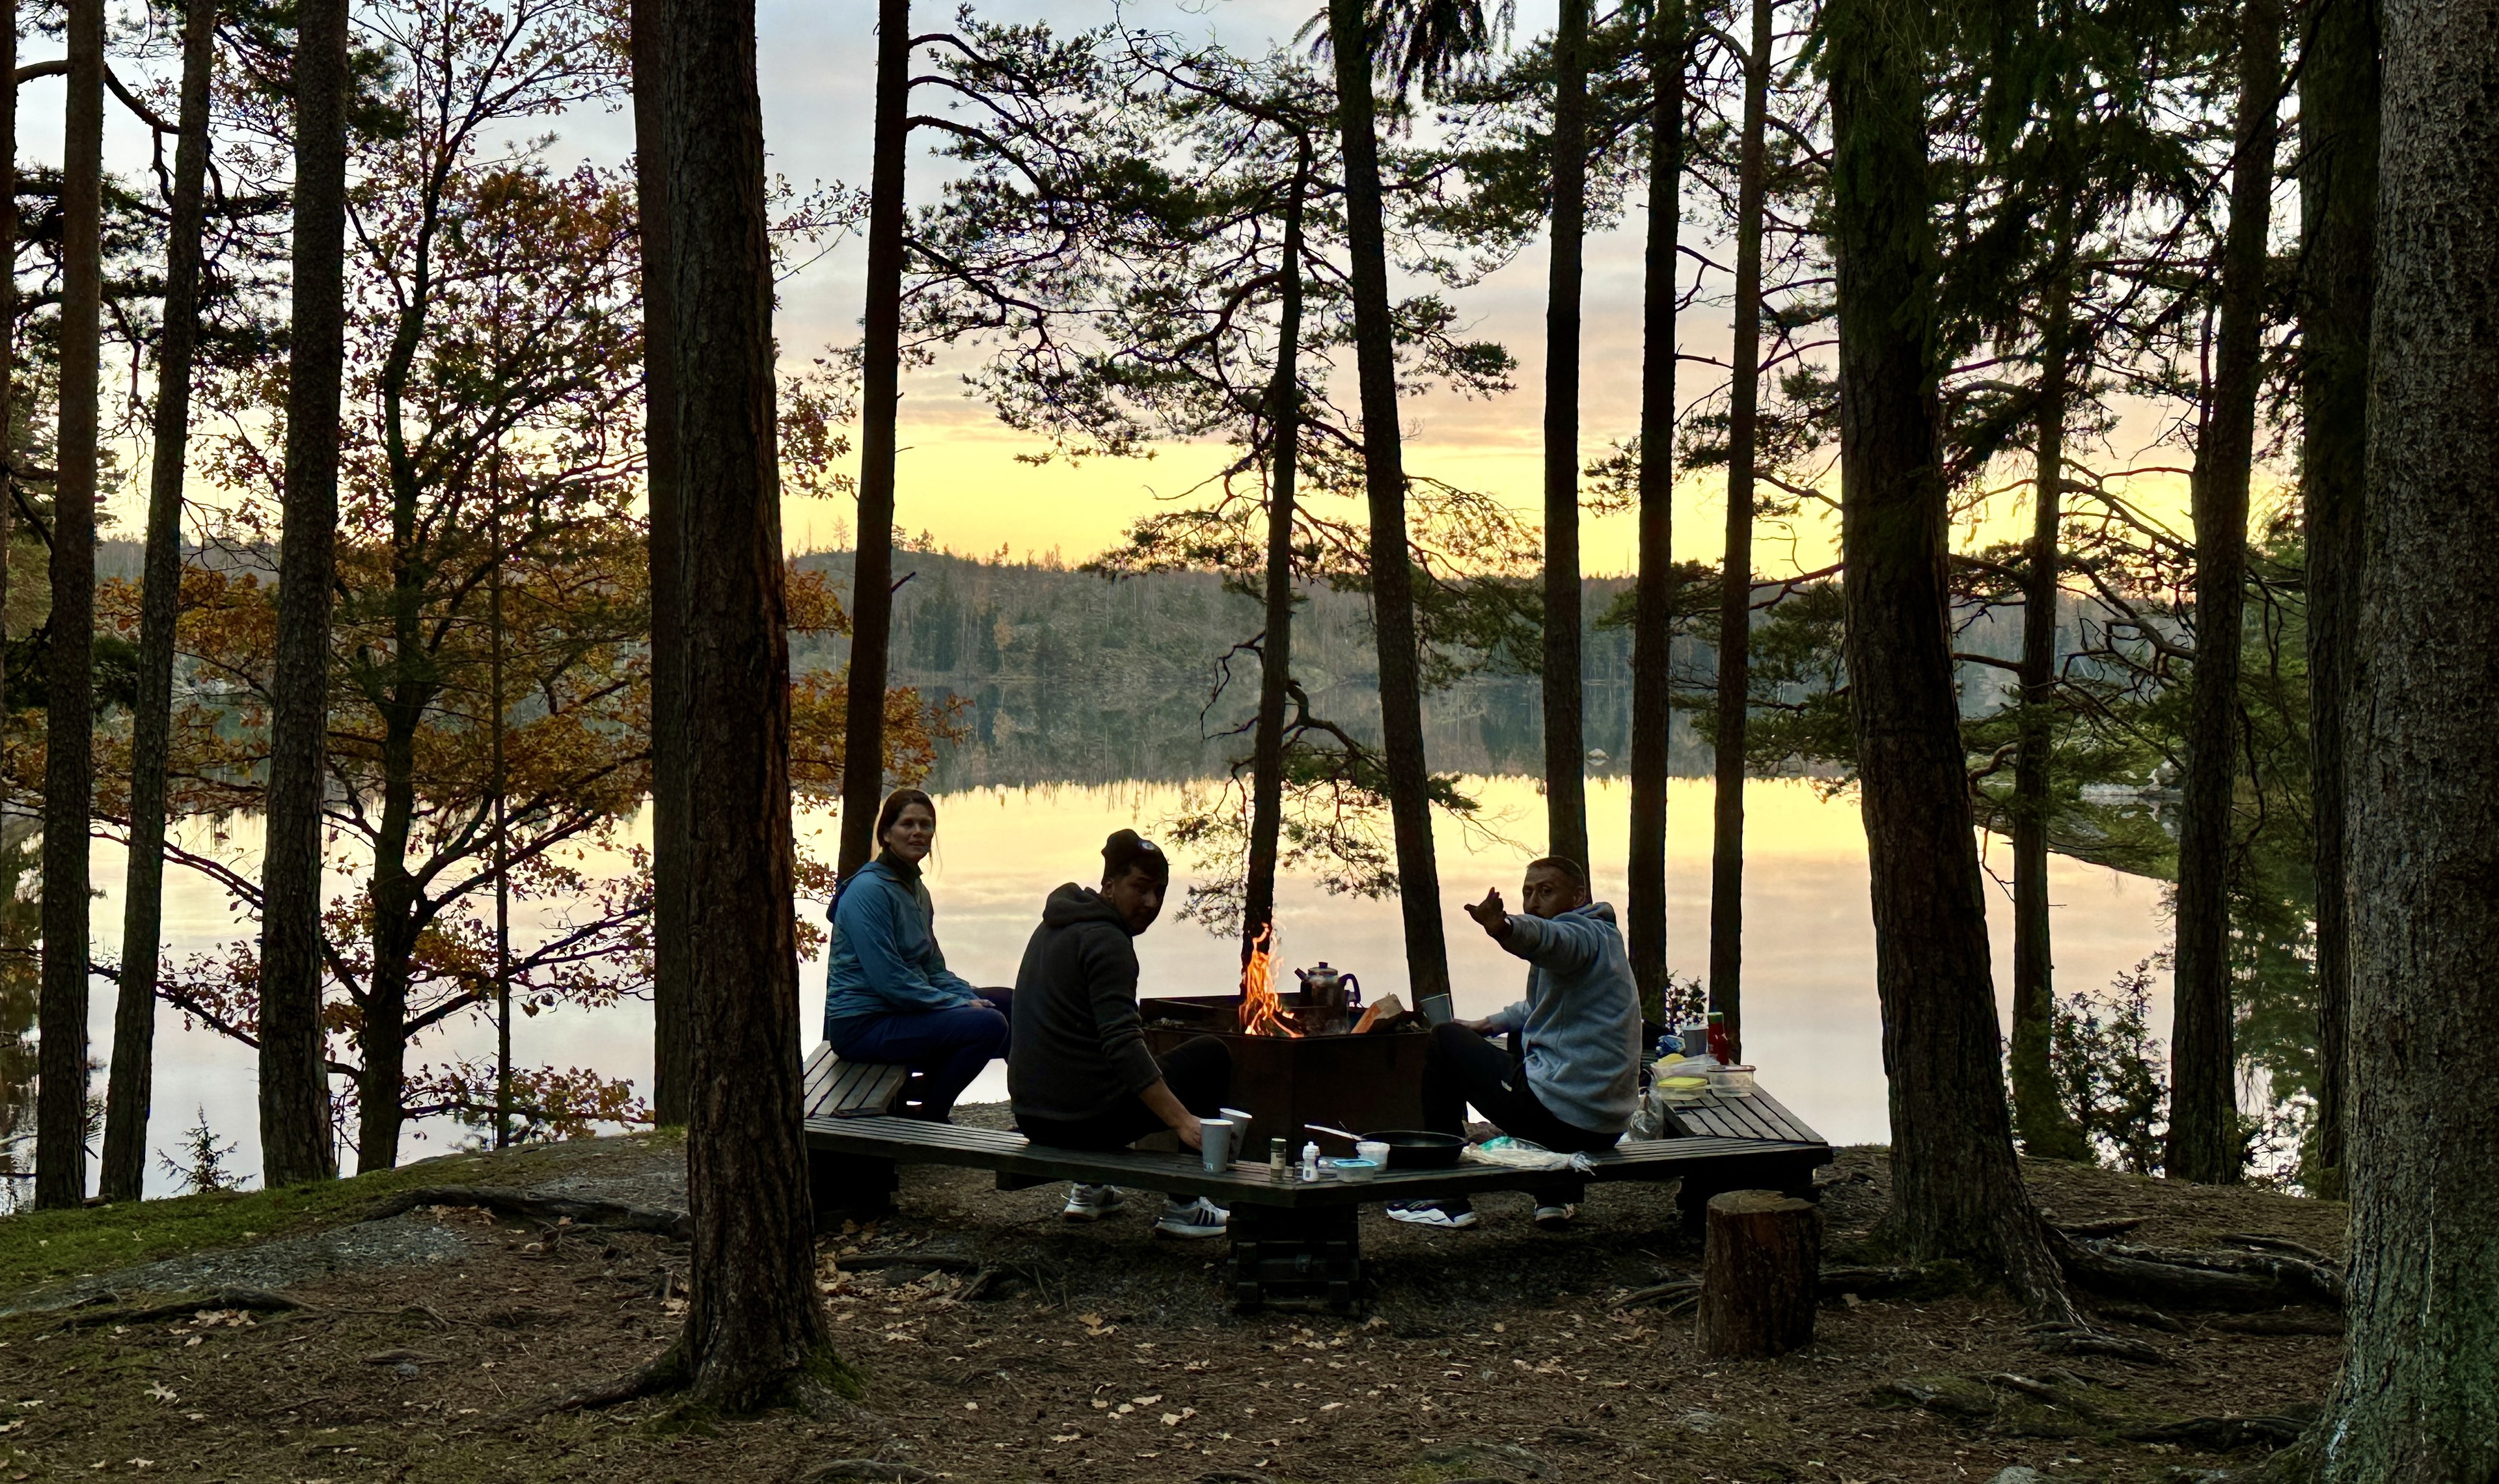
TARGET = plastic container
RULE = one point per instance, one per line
(1373, 1151)
(1735, 1082)
(1680, 1090)
(1356, 1170)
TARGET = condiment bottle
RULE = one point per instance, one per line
(1718, 1047)
(1310, 1160)
(1276, 1149)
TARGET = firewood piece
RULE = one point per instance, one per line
(1759, 1266)
(1385, 1010)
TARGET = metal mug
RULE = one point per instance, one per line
(1217, 1148)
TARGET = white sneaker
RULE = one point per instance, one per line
(1554, 1218)
(1200, 1217)
(1447, 1215)
(1092, 1202)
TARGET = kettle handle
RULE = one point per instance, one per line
(1352, 990)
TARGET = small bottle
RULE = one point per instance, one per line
(1310, 1160)
(1276, 1149)
(1718, 1038)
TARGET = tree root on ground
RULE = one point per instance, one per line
(550, 1211)
(100, 1310)
(2011, 1405)
(2240, 1281)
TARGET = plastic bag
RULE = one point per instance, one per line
(1521, 1154)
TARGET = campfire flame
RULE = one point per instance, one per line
(1262, 1014)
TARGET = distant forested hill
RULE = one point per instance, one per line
(1071, 677)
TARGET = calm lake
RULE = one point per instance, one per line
(1811, 1018)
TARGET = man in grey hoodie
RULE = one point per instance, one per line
(1079, 1075)
(1570, 1077)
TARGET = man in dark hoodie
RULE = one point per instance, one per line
(1079, 1075)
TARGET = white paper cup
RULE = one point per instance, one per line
(1373, 1151)
(1217, 1151)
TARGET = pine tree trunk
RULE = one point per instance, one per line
(1736, 573)
(69, 715)
(673, 1034)
(1566, 746)
(2040, 1116)
(134, 1019)
(294, 1087)
(1652, 623)
(756, 1330)
(2204, 1143)
(880, 404)
(2338, 121)
(382, 1029)
(1957, 1189)
(2422, 1359)
(1392, 574)
(7, 334)
(1276, 653)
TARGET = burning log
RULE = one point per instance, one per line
(1262, 1014)
(1380, 1014)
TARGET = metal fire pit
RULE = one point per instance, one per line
(1357, 1083)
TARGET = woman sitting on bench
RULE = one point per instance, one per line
(1079, 1075)
(888, 995)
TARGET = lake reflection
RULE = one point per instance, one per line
(1812, 1022)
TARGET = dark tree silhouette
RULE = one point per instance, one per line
(1565, 747)
(756, 1331)
(1735, 571)
(1669, 48)
(871, 607)
(294, 1093)
(69, 713)
(1957, 1190)
(2338, 169)
(672, 1004)
(2421, 1361)
(2204, 1141)
(1276, 643)
(134, 1020)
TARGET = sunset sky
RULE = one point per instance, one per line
(961, 483)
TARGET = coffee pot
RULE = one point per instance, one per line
(1328, 988)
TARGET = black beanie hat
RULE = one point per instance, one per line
(1130, 851)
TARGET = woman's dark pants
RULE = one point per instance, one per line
(947, 1047)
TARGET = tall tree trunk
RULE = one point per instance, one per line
(1392, 572)
(1957, 1190)
(294, 1088)
(69, 715)
(1735, 571)
(134, 1019)
(879, 405)
(2040, 1116)
(1652, 623)
(673, 1047)
(2204, 1143)
(2338, 123)
(1276, 653)
(2422, 1359)
(756, 1330)
(1566, 746)
(7, 334)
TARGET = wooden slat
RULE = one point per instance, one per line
(1785, 1121)
(909, 1140)
(876, 1092)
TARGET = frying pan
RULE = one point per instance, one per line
(1418, 1149)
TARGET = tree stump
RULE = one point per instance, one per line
(1760, 1263)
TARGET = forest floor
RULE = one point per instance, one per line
(999, 1343)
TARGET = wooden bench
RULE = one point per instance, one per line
(1289, 1239)
(852, 1089)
